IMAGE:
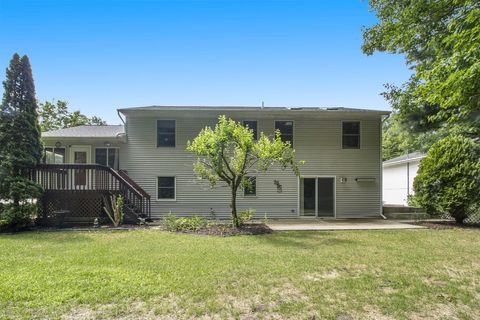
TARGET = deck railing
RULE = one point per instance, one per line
(92, 177)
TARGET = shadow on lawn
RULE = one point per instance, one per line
(53, 236)
(306, 240)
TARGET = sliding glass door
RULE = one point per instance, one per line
(317, 197)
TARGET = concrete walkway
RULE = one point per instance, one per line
(339, 224)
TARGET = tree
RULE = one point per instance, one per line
(229, 153)
(55, 115)
(441, 43)
(20, 146)
(448, 179)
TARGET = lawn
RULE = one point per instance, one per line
(150, 274)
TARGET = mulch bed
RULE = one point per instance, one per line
(225, 230)
(446, 225)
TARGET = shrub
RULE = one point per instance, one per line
(16, 217)
(113, 207)
(448, 179)
(246, 216)
(194, 223)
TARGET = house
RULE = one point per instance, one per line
(341, 177)
(398, 176)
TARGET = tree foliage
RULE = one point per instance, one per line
(441, 43)
(229, 153)
(20, 146)
(448, 179)
(55, 115)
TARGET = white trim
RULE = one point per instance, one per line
(293, 129)
(360, 134)
(316, 193)
(84, 146)
(407, 160)
(156, 133)
(174, 189)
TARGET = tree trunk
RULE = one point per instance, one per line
(233, 205)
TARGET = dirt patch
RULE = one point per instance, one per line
(332, 274)
(446, 225)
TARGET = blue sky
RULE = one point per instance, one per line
(101, 55)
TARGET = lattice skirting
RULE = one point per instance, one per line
(82, 206)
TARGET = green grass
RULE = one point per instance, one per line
(152, 274)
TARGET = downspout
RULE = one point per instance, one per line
(381, 166)
(122, 135)
(118, 113)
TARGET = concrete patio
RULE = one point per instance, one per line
(307, 224)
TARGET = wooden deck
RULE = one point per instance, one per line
(78, 189)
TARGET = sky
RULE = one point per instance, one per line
(103, 55)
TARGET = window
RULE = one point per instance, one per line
(54, 155)
(165, 133)
(251, 190)
(166, 188)
(252, 125)
(107, 157)
(351, 134)
(286, 130)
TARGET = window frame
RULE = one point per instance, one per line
(174, 189)
(245, 189)
(156, 133)
(44, 154)
(118, 153)
(255, 136)
(293, 129)
(351, 135)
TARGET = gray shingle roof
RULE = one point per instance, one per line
(250, 108)
(405, 158)
(107, 131)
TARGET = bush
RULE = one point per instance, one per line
(448, 179)
(15, 218)
(246, 216)
(194, 223)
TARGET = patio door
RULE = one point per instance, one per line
(317, 197)
(80, 155)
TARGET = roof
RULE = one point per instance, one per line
(405, 158)
(93, 131)
(251, 108)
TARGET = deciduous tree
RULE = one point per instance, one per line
(229, 153)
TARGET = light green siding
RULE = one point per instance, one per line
(317, 140)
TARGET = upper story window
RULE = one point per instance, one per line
(286, 130)
(107, 157)
(252, 124)
(251, 190)
(351, 134)
(54, 155)
(166, 133)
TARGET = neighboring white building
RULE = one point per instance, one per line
(398, 175)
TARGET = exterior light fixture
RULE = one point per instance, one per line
(107, 143)
(58, 144)
(343, 179)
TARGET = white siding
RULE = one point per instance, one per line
(398, 182)
(317, 140)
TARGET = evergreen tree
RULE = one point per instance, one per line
(20, 146)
